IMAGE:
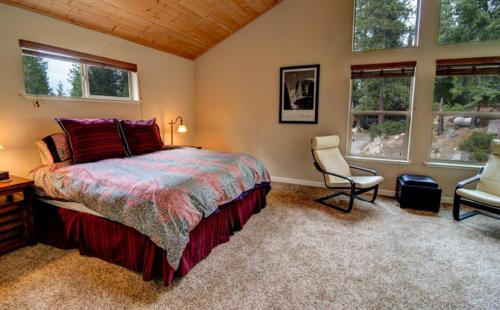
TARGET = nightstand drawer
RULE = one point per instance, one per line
(16, 222)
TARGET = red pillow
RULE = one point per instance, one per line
(141, 137)
(93, 139)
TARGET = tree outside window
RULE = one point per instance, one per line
(380, 112)
(469, 20)
(466, 110)
(385, 24)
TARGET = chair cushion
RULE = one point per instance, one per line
(495, 147)
(490, 178)
(479, 196)
(325, 142)
(361, 181)
(332, 161)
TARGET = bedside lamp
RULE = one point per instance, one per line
(181, 129)
(4, 175)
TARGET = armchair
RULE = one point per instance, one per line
(486, 196)
(337, 173)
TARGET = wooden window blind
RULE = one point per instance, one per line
(47, 51)
(468, 66)
(395, 69)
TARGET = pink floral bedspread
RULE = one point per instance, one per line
(163, 195)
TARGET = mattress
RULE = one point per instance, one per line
(74, 206)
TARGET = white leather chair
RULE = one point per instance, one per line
(486, 195)
(337, 173)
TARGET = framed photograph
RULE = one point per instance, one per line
(299, 91)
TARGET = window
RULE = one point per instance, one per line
(52, 71)
(383, 24)
(380, 111)
(466, 109)
(469, 20)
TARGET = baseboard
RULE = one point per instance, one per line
(298, 182)
(382, 192)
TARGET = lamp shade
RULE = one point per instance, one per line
(182, 129)
(1, 147)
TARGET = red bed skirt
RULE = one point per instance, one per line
(122, 245)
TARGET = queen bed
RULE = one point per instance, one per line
(158, 213)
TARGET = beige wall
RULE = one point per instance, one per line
(237, 87)
(167, 85)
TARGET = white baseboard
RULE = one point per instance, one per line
(382, 192)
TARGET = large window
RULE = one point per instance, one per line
(466, 109)
(52, 71)
(380, 112)
(383, 24)
(469, 20)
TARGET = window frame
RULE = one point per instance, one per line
(418, 15)
(84, 60)
(459, 66)
(405, 156)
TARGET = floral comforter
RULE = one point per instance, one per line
(163, 195)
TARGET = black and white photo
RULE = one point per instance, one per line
(299, 88)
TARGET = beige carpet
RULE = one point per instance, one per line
(295, 254)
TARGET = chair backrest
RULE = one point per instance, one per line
(327, 154)
(490, 178)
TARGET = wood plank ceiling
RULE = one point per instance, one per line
(186, 28)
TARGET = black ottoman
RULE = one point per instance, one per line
(418, 192)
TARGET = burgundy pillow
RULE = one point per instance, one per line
(93, 139)
(141, 137)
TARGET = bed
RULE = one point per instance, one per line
(159, 214)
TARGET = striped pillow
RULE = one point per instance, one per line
(58, 146)
(93, 139)
(141, 137)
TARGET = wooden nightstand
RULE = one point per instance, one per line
(16, 218)
(173, 147)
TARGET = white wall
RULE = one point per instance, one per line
(237, 87)
(167, 85)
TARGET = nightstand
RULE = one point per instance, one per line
(16, 218)
(173, 147)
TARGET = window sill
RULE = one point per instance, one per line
(380, 160)
(452, 165)
(71, 99)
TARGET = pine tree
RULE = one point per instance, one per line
(383, 24)
(75, 79)
(108, 82)
(60, 89)
(469, 20)
(36, 80)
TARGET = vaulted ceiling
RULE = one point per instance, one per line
(186, 28)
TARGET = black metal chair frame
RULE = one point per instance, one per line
(458, 201)
(352, 194)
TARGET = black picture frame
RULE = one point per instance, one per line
(303, 110)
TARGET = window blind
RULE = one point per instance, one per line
(468, 66)
(47, 51)
(395, 69)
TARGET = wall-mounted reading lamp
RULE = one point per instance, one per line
(181, 129)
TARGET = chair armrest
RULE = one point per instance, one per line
(363, 169)
(318, 167)
(462, 183)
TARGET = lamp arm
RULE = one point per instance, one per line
(172, 123)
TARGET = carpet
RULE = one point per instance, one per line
(294, 254)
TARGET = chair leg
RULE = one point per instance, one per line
(323, 200)
(375, 192)
(351, 201)
(456, 210)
